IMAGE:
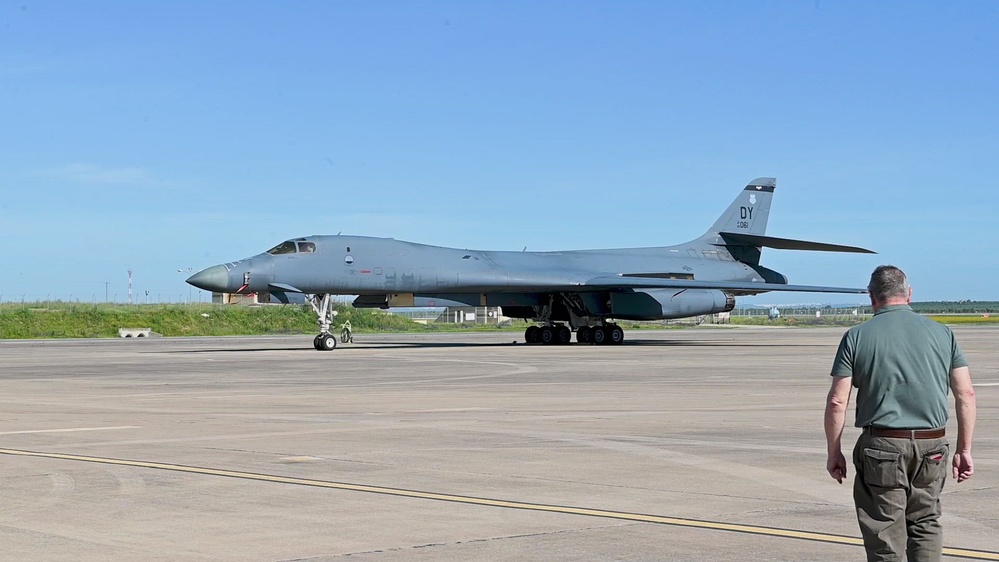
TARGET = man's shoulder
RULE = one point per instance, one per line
(932, 325)
(905, 321)
(898, 319)
(875, 323)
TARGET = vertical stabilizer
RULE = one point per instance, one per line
(750, 211)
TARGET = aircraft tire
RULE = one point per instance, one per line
(564, 335)
(548, 336)
(315, 343)
(532, 335)
(584, 334)
(615, 335)
(599, 335)
(327, 342)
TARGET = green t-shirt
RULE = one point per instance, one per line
(900, 363)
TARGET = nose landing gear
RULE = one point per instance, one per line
(324, 342)
(322, 305)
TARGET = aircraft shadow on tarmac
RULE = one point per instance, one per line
(514, 343)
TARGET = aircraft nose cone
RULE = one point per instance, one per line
(215, 279)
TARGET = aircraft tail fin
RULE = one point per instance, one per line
(741, 228)
(750, 211)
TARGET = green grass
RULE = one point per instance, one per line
(67, 320)
(74, 320)
(799, 321)
(842, 320)
(968, 319)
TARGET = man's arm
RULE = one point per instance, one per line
(835, 418)
(964, 399)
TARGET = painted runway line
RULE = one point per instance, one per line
(471, 500)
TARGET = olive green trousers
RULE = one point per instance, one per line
(896, 490)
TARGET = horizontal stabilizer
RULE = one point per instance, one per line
(734, 287)
(740, 239)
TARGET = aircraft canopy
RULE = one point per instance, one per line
(291, 247)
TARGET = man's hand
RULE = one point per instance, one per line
(836, 466)
(964, 466)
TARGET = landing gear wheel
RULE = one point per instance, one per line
(322, 305)
(615, 334)
(564, 335)
(532, 334)
(547, 335)
(600, 335)
(584, 334)
(326, 342)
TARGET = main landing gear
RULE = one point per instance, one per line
(608, 334)
(587, 329)
(555, 334)
(560, 334)
(323, 306)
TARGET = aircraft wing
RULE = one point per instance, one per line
(736, 288)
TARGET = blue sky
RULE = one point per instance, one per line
(175, 135)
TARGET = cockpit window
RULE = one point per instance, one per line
(306, 247)
(283, 248)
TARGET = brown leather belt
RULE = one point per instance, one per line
(906, 433)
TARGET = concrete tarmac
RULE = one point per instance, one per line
(697, 444)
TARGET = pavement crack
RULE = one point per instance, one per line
(445, 544)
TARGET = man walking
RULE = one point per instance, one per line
(902, 365)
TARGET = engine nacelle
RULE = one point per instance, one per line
(660, 304)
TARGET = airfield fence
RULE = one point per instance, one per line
(817, 311)
(454, 315)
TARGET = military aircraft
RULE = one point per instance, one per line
(580, 290)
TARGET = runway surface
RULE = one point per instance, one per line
(698, 444)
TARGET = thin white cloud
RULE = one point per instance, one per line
(100, 175)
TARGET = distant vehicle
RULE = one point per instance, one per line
(580, 290)
(773, 314)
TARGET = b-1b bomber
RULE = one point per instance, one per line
(581, 291)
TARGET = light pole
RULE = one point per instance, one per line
(188, 271)
(106, 283)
